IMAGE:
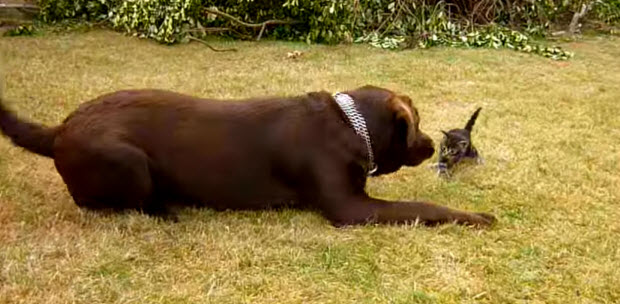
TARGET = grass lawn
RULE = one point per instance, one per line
(549, 132)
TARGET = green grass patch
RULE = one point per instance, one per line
(548, 133)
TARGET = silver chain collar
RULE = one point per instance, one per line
(347, 105)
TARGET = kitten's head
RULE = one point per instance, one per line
(454, 146)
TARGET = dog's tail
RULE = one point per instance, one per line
(470, 124)
(30, 136)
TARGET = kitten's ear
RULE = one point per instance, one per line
(445, 133)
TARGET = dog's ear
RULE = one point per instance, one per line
(406, 100)
(406, 118)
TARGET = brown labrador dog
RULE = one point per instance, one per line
(152, 150)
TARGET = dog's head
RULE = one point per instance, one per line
(394, 126)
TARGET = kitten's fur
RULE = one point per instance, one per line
(457, 145)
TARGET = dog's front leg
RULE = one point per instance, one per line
(368, 210)
(427, 213)
(344, 202)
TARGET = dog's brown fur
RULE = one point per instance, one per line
(152, 149)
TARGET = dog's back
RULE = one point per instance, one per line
(225, 154)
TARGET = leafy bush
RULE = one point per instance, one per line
(53, 11)
(22, 30)
(163, 21)
(387, 24)
(607, 11)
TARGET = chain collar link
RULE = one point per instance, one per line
(356, 120)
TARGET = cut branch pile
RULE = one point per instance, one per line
(261, 25)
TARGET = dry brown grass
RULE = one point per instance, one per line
(549, 132)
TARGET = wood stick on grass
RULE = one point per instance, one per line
(209, 46)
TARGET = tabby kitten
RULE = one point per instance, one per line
(456, 145)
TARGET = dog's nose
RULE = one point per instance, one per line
(429, 151)
(427, 145)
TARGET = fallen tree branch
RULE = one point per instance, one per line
(209, 46)
(262, 25)
(572, 27)
(208, 29)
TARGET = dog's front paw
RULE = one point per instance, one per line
(483, 219)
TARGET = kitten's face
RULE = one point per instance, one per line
(453, 146)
